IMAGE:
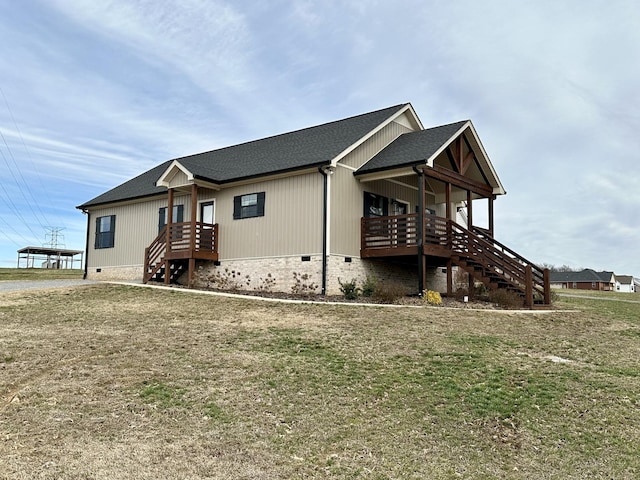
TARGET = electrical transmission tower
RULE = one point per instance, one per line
(53, 238)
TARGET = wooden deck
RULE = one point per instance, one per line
(476, 251)
(397, 236)
(178, 243)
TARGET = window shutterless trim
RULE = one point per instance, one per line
(106, 238)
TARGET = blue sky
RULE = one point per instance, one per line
(94, 93)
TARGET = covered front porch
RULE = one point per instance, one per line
(179, 244)
(451, 172)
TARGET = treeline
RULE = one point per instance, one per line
(561, 268)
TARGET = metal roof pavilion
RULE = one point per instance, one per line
(50, 257)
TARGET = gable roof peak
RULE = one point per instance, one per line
(306, 148)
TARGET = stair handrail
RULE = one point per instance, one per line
(504, 266)
(518, 267)
(153, 253)
(538, 271)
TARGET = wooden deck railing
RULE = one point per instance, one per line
(389, 232)
(481, 254)
(177, 241)
(383, 233)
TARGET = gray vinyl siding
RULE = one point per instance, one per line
(179, 179)
(347, 193)
(291, 225)
(136, 227)
(373, 145)
(347, 205)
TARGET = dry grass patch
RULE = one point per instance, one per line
(39, 274)
(123, 382)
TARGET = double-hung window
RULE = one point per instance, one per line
(247, 206)
(105, 231)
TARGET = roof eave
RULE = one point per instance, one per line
(276, 173)
(87, 206)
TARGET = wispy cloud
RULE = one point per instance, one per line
(102, 91)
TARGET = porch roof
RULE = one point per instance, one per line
(422, 147)
(412, 148)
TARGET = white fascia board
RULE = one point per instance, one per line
(406, 108)
(499, 190)
(445, 145)
(385, 175)
(169, 173)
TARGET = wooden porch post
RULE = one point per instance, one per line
(448, 213)
(420, 233)
(491, 198)
(167, 270)
(469, 210)
(448, 199)
(449, 238)
(547, 286)
(471, 281)
(528, 300)
(192, 246)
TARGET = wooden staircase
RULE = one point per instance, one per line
(186, 242)
(497, 266)
(157, 264)
(475, 251)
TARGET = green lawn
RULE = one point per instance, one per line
(120, 382)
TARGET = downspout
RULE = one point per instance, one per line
(420, 232)
(86, 246)
(325, 227)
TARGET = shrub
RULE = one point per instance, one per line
(228, 279)
(266, 284)
(302, 284)
(505, 298)
(431, 297)
(389, 292)
(349, 289)
(369, 286)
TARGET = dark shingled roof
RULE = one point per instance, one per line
(625, 279)
(586, 275)
(309, 147)
(411, 148)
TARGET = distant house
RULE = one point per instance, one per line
(372, 195)
(587, 279)
(625, 283)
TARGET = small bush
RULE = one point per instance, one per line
(432, 297)
(389, 292)
(505, 298)
(266, 284)
(369, 286)
(349, 289)
(303, 285)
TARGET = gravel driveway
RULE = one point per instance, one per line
(18, 285)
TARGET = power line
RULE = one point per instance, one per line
(26, 185)
(43, 190)
(15, 210)
(14, 231)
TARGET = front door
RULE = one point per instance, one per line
(207, 218)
